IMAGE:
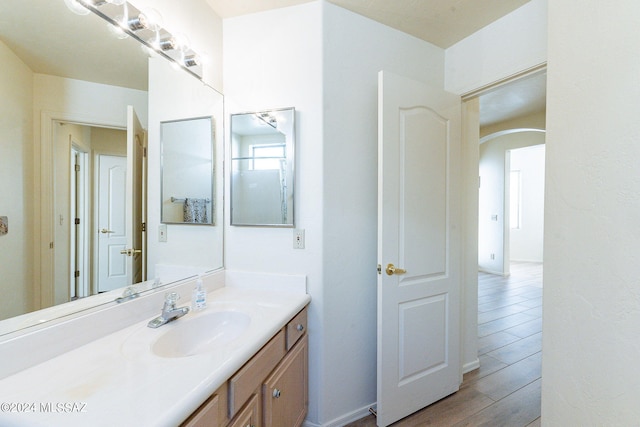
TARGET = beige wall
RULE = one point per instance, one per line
(16, 171)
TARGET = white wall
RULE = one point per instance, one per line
(491, 233)
(16, 170)
(329, 74)
(590, 370)
(176, 95)
(355, 49)
(526, 241)
(274, 60)
(516, 42)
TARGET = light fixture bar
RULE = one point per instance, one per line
(140, 28)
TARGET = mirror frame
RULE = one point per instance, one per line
(212, 171)
(290, 153)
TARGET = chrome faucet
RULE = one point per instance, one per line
(169, 311)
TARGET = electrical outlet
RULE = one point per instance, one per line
(298, 239)
(162, 233)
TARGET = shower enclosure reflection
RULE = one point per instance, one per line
(187, 171)
(262, 168)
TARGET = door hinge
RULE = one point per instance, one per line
(77, 221)
(77, 168)
(77, 273)
(50, 245)
(144, 152)
(144, 226)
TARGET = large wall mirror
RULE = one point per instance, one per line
(263, 168)
(74, 114)
(187, 156)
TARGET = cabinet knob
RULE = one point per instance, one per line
(276, 393)
(300, 327)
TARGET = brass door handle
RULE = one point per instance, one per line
(130, 252)
(392, 269)
(105, 231)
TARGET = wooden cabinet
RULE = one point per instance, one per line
(249, 416)
(251, 375)
(270, 390)
(212, 413)
(284, 393)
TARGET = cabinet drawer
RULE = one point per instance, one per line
(296, 328)
(243, 384)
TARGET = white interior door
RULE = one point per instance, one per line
(112, 234)
(135, 218)
(418, 231)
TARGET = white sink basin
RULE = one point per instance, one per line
(201, 333)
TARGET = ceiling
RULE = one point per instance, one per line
(522, 97)
(440, 22)
(50, 39)
(54, 49)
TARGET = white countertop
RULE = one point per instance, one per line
(117, 380)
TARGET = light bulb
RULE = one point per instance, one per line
(76, 7)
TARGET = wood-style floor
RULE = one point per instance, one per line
(505, 390)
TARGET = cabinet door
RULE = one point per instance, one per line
(249, 416)
(284, 393)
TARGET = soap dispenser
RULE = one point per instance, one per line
(199, 298)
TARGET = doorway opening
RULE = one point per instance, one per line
(510, 207)
(83, 185)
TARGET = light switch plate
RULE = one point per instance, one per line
(162, 233)
(298, 239)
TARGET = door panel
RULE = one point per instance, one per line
(418, 222)
(136, 237)
(112, 238)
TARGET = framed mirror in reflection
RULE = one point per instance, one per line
(188, 167)
(263, 168)
(67, 103)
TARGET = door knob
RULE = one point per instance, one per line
(392, 269)
(130, 252)
(105, 231)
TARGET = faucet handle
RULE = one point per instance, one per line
(171, 298)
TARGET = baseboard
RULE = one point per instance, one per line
(344, 419)
(470, 366)
(499, 273)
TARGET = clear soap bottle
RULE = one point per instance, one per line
(199, 297)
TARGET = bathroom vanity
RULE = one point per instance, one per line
(270, 390)
(240, 362)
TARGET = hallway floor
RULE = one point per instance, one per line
(505, 390)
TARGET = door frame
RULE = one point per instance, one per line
(80, 242)
(44, 260)
(470, 211)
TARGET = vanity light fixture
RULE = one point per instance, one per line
(191, 61)
(76, 7)
(145, 26)
(167, 44)
(137, 23)
(267, 118)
